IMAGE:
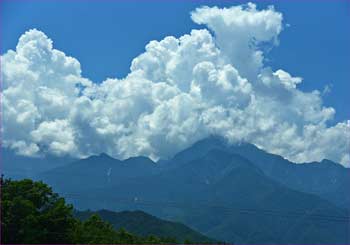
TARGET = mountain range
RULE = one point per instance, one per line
(20, 167)
(236, 193)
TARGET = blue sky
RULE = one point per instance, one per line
(105, 36)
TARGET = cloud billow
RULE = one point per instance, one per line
(178, 91)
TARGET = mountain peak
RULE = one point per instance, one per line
(139, 159)
(331, 163)
(212, 140)
(104, 155)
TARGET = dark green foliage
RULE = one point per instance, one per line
(96, 231)
(32, 213)
(143, 224)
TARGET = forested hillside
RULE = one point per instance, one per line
(33, 214)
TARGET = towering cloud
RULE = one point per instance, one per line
(178, 91)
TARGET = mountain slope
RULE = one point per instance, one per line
(20, 167)
(326, 179)
(97, 171)
(143, 224)
(234, 193)
(227, 197)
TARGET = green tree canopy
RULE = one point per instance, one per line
(32, 213)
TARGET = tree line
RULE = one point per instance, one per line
(32, 213)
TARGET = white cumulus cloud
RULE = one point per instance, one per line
(178, 91)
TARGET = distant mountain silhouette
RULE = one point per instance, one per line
(227, 197)
(20, 167)
(97, 171)
(143, 224)
(232, 192)
(327, 179)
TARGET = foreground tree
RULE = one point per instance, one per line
(32, 213)
(93, 231)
